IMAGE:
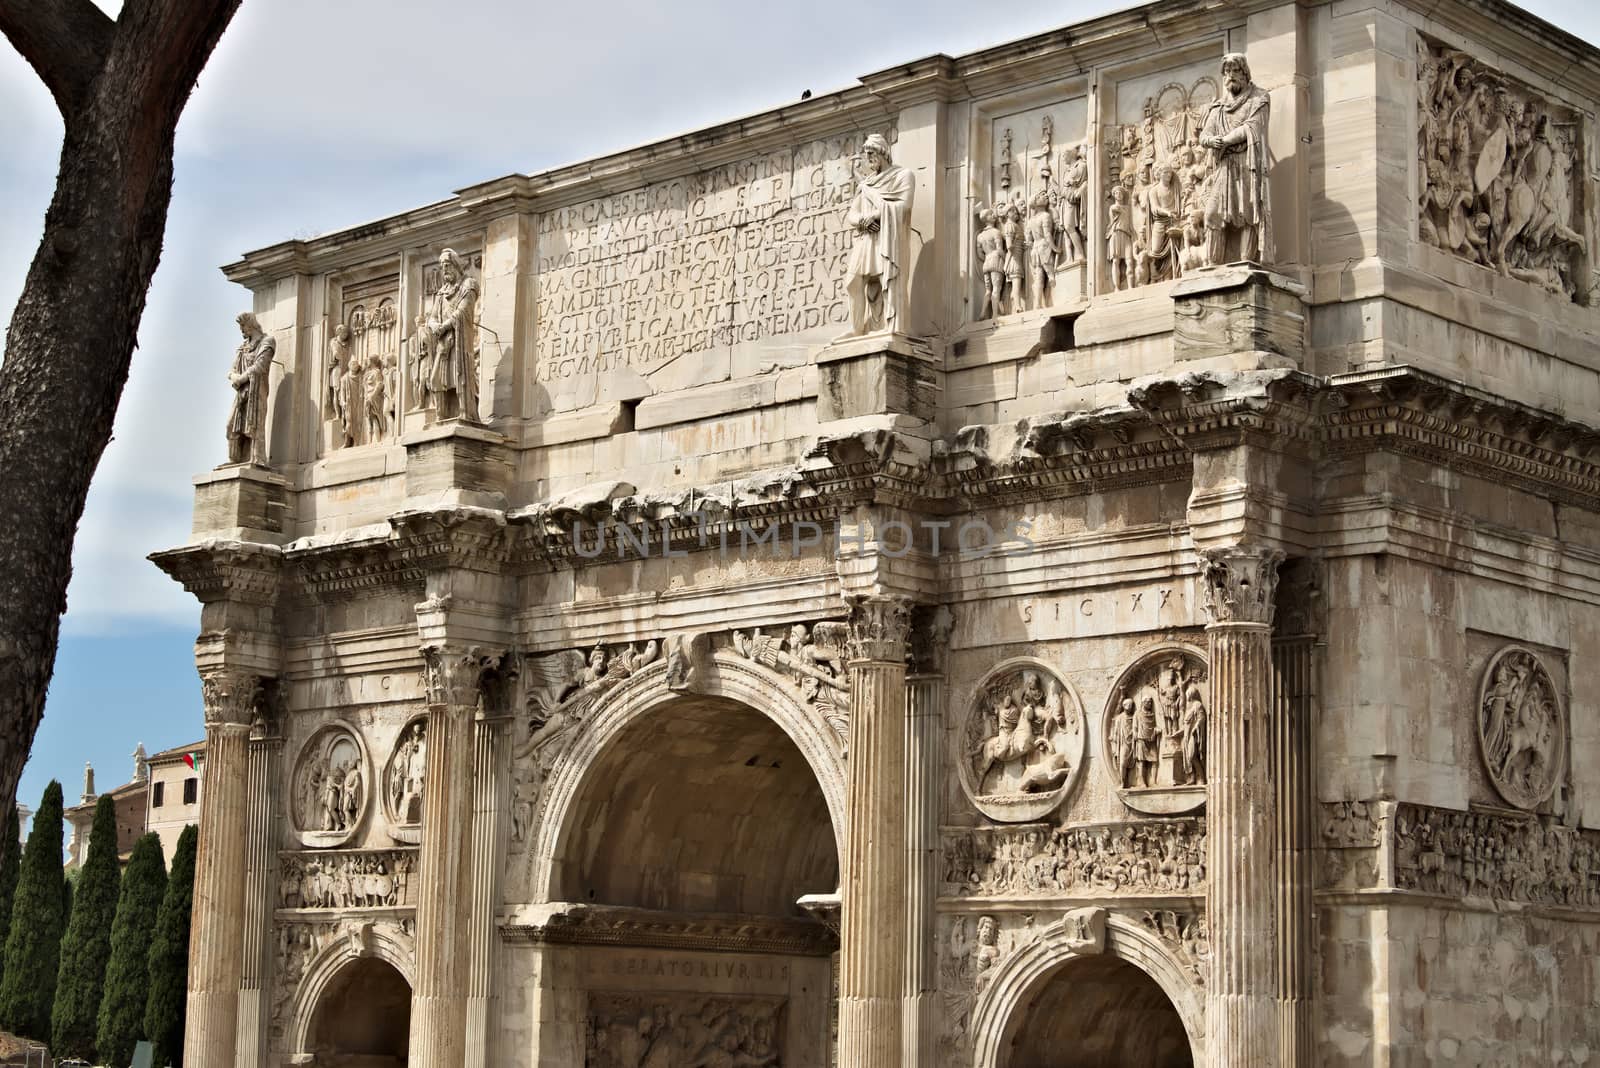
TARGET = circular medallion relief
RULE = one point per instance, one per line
(1153, 733)
(403, 782)
(331, 786)
(1522, 730)
(1022, 743)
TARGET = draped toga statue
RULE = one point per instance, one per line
(447, 343)
(880, 215)
(247, 420)
(1238, 212)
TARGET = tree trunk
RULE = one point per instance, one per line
(71, 339)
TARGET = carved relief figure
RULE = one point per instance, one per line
(446, 343)
(247, 419)
(1155, 733)
(1238, 210)
(1023, 742)
(329, 788)
(1042, 236)
(880, 216)
(1521, 728)
(682, 1031)
(376, 402)
(992, 261)
(1074, 183)
(1495, 167)
(338, 402)
(407, 771)
(1035, 228)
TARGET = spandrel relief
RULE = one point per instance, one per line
(642, 1030)
(361, 396)
(1522, 727)
(814, 659)
(1501, 179)
(1187, 178)
(1030, 235)
(1022, 745)
(1154, 732)
(331, 786)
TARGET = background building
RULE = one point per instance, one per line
(162, 796)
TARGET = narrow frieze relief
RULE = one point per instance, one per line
(348, 879)
(1023, 742)
(1155, 732)
(1522, 727)
(1352, 836)
(1501, 176)
(630, 1030)
(1151, 857)
(1499, 857)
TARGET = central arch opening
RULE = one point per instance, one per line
(690, 839)
(704, 805)
(363, 1019)
(1100, 1012)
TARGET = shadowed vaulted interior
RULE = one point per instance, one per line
(1100, 1012)
(704, 806)
(364, 1017)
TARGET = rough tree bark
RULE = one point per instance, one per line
(120, 86)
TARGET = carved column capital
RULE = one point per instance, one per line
(1239, 584)
(231, 697)
(453, 675)
(879, 629)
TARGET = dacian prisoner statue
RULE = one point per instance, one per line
(446, 343)
(1238, 214)
(247, 419)
(880, 215)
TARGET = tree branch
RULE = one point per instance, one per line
(65, 41)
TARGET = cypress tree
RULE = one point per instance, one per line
(121, 1021)
(33, 945)
(10, 869)
(86, 949)
(169, 956)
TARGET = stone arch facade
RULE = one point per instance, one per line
(725, 675)
(356, 941)
(995, 1017)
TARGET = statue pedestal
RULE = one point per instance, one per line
(243, 502)
(1239, 308)
(455, 463)
(876, 374)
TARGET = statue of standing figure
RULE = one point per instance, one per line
(447, 343)
(1238, 212)
(247, 420)
(880, 216)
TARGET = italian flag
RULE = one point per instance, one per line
(188, 758)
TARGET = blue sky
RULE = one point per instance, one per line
(314, 116)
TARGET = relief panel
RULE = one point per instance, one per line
(1023, 742)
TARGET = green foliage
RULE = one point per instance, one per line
(33, 944)
(86, 949)
(121, 1021)
(10, 869)
(169, 956)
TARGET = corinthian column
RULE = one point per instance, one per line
(261, 870)
(1242, 1026)
(439, 1001)
(215, 946)
(1295, 691)
(489, 788)
(873, 933)
(925, 692)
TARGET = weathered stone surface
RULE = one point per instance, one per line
(1103, 652)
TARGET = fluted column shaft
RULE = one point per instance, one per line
(1295, 693)
(488, 790)
(261, 869)
(216, 955)
(873, 935)
(439, 998)
(1242, 1027)
(924, 721)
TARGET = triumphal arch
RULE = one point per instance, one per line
(1084, 553)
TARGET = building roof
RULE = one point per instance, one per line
(176, 753)
(127, 789)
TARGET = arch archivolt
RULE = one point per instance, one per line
(1017, 979)
(353, 940)
(724, 676)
